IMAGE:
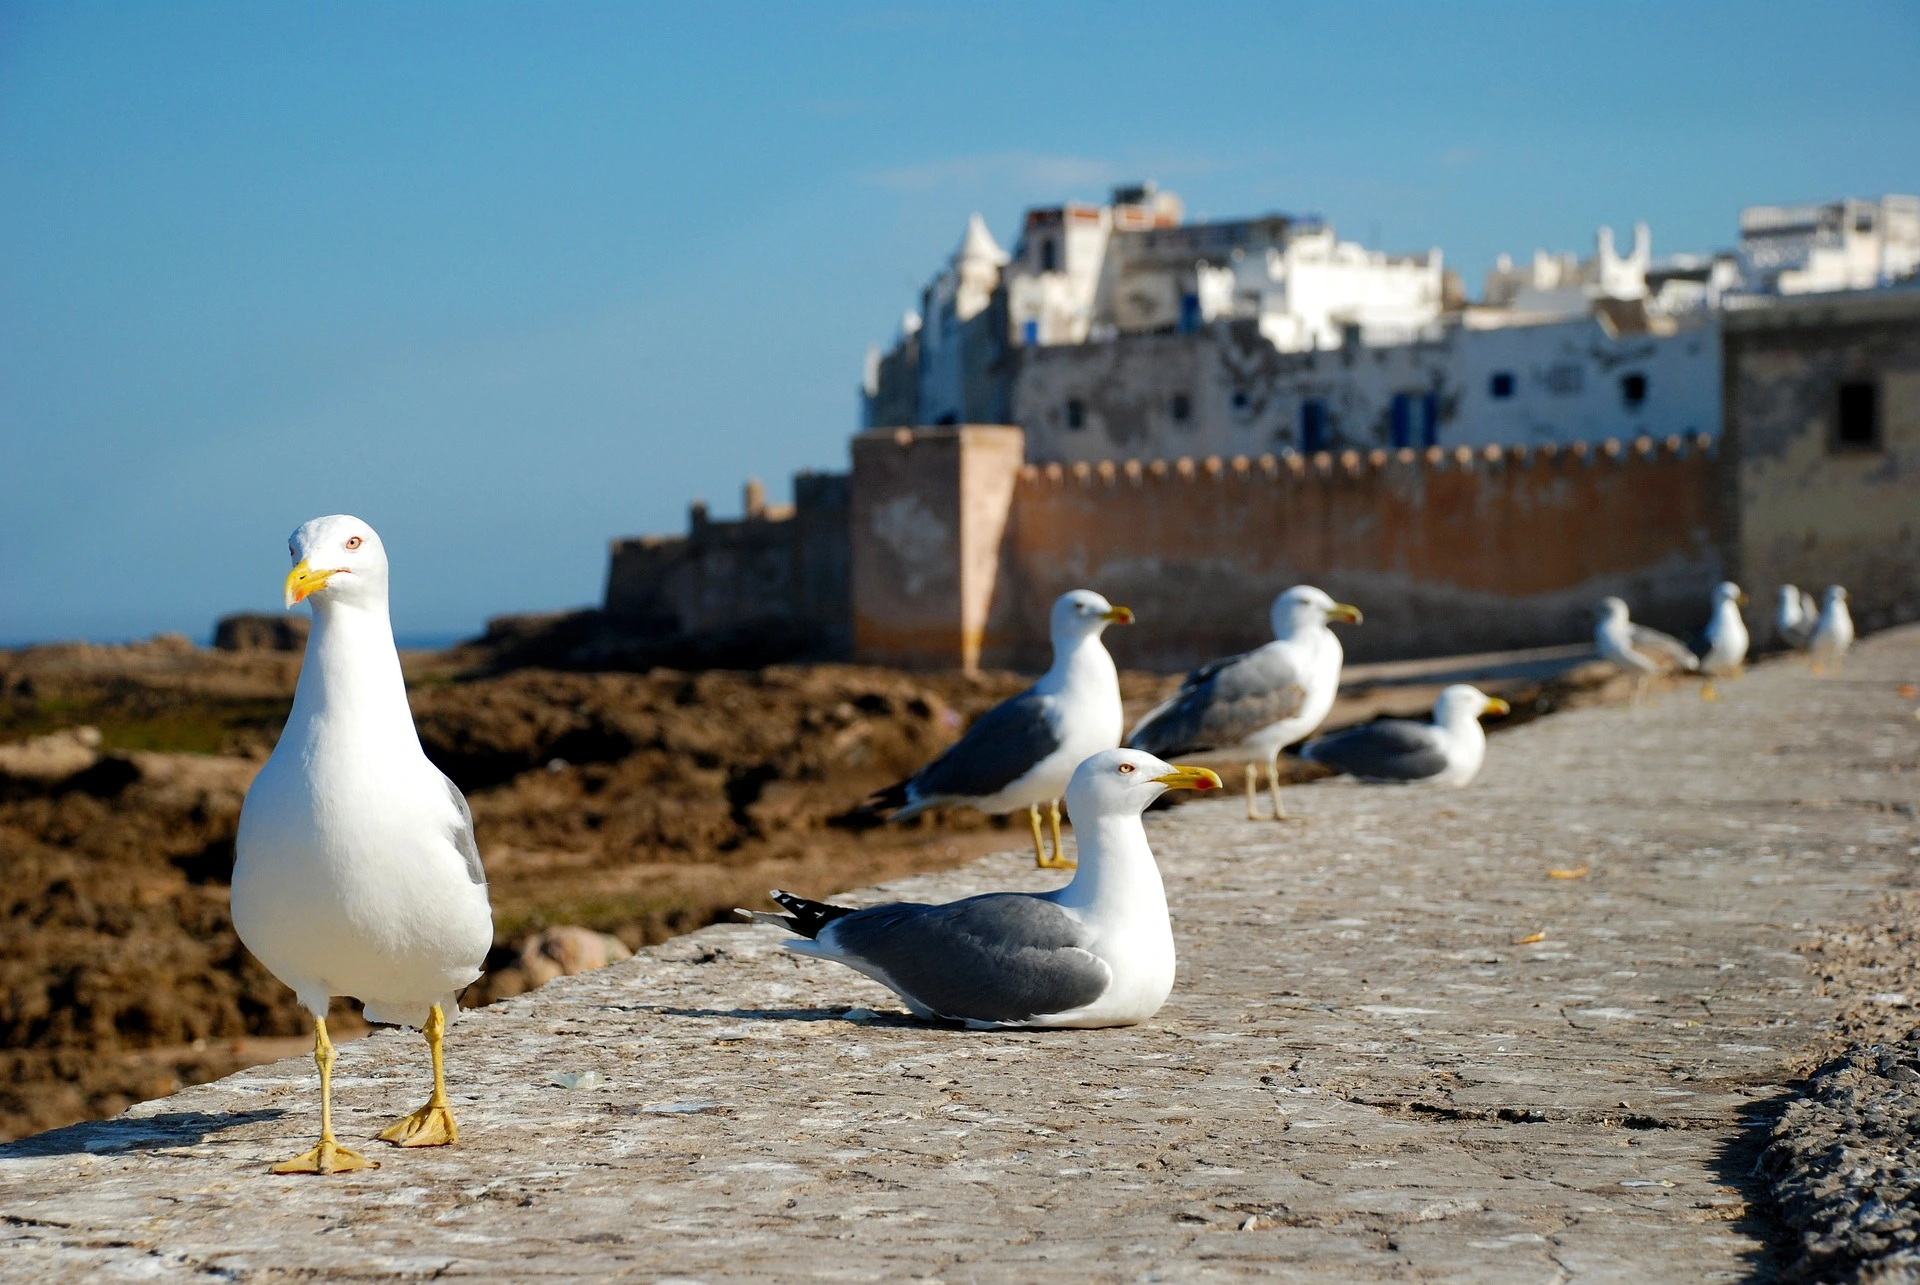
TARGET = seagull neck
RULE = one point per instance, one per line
(352, 672)
(1117, 874)
(1078, 662)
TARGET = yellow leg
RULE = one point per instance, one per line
(432, 1125)
(1253, 781)
(1708, 692)
(1273, 788)
(328, 1156)
(1039, 844)
(1059, 860)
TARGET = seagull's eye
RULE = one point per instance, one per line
(1126, 769)
(353, 542)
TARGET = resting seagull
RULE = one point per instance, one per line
(1259, 701)
(1022, 752)
(1833, 633)
(1446, 751)
(1725, 637)
(1637, 649)
(355, 871)
(1098, 952)
(1795, 617)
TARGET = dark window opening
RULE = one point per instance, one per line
(1240, 399)
(1049, 256)
(1858, 426)
(1863, 223)
(1076, 414)
(1633, 388)
(1189, 313)
(1313, 426)
(1181, 408)
(1501, 385)
(948, 418)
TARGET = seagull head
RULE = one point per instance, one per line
(1728, 591)
(1084, 613)
(1126, 782)
(1836, 593)
(1610, 610)
(1304, 607)
(1464, 703)
(336, 559)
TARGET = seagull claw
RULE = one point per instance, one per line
(430, 1126)
(327, 1156)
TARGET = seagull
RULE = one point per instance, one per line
(1098, 952)
(1446, 751)
(1022, 752)
(1833, 634)
(1261, 700)
(355, 870)
(1636, 648)
(1795, 617)
(1725, 637)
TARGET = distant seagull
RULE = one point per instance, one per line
(1795, 617)
(1446, 751)
(1641, 651)
(1259, 701)
(355, 870)
(1022, 752)
(1098, 952)
(1725, 637)
(1833, 634)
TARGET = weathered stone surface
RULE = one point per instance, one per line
(1399, 1048)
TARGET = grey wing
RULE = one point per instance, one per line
(1388, 749)
(1664, 648)
(1223, 703)
(1002, 957)
(1002, 746)
(463, 832)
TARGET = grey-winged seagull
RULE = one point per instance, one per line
(356, 871)
(1795, 616)
(1445, 751)
(1833, 632)
(1022, 752)
(1725, 637)
(1259, 701)
(1098, 952)
(1637, 649)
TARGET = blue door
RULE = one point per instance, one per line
(1313, 426)
(1430, 420)
(1402, 420)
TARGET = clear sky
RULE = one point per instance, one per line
(509, 279)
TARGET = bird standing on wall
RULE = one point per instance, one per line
(1446, 751)
(1725, 637)
(1833, 633)
(1098, 952)
(1641, 651)
(356, 871)
(1259, 701)
(1022, 752)
(1795, 616)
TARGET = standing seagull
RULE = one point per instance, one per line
(1636, 648)
(1022, 752)
(1725, 636)
(1259, 701)
(1795, 617)
(1098, 952)
(1446, 751)
(355, 870)
(1834, 633)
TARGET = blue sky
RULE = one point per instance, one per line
(507, 280)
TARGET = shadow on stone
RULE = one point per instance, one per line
(145, 1133)
(1738, 1164)
(836, 1014)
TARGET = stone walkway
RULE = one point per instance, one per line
(1399, 1049)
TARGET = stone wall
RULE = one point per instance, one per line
(1813, 509)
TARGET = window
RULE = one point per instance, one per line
(1240, 399)
(1858, 425)
(1501, 385)
(1076, 414)
(1633, 389)
(1863, 222)
(1189, 313)
(1181, 407)
(1049, 256)
(1313, 426)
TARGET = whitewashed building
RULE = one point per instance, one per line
(1837, 245)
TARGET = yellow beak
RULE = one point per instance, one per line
(1740, 598)
(1496, 706)
(1346, 613)
(1190, 778)
(1119, 615)
(303, 580)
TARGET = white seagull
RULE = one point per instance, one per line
(1446, 751)
(1098, 952)
(1725, 636)
(355, 870)
(1795, 616)
(1260, 701)
(1641, 651)
(1833, 634)
(1022, 752)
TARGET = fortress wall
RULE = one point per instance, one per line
(1445, 551)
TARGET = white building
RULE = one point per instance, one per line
(1554, 287)
(1838, 245)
